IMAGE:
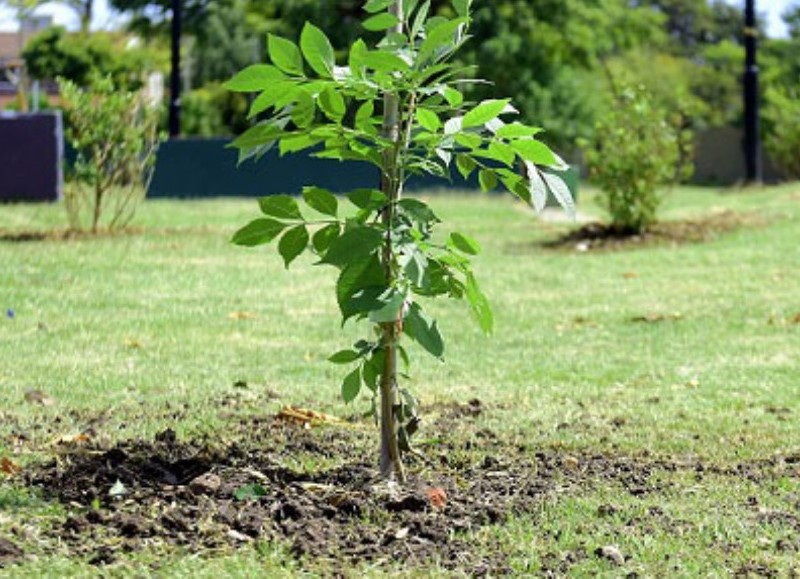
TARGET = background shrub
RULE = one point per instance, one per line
(115, 134)
(782, 114)
(637, 147)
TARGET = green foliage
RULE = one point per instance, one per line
(635, 150)
(212, 111)
(55, 53)
(783, 141)
(115, 135)
(385, 247)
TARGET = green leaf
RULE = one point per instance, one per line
(285, 55)
(462, 7)
(317, 50)
(418, 210)
(293, 243)
(382, 61)
(423, 330)
(391, 307)
(356, 58)
(351, 386)
(258, 135)
(560, 191)
(353, 245)
(321, 200)
(373, 368)
(269, 97)
(517, 130)
(487, 180)
(304, 109)
(480, 305)
(502, 152)
(358, 276)
(258, 232)
(417, 270)
(332, 104)
(344, 357)
(453, 97)
(373, 6)
(440, 39)
(363, 121)
(254, 78)
(466, 165)
(464, 243)
(297, 142)
(484, 112)
(323, 238)
(536, 187)
(380, 22)
(428, 120)
(281, 206)
(249, 492)
(534, 151)
(368, 199)
(419, 19)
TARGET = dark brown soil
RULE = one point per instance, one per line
(599, 236)
(184, 493)
(315, 490)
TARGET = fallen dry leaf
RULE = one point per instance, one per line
(655, 318)
(630, 275)
(437, 497)
(241, 315)
(39, 397)
(9, 468)
(78, 439)
(305, 417)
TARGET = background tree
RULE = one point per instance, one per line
(55, 53)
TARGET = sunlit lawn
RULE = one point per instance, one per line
(174, 313)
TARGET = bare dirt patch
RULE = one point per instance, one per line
(602, 237)
(315, 490)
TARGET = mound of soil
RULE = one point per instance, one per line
(204, 496)
(599, 236)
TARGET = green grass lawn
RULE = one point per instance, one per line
(130, 326)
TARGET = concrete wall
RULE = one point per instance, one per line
(719, 158)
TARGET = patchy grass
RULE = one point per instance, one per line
(663, 354)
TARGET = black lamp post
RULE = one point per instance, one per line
(175, 75)
(752, 137)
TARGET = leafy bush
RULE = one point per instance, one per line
(782, 113)
(636, 149)
(55, 53)
(115, 134)
(212, 111)
(396, 107)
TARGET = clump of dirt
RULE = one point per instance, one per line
(316, 490)
(599, 236)
(9, 553)
(205, 496)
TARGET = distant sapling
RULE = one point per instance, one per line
(397, 107)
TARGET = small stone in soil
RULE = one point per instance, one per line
(205, 484)
(612, 553)
(9, 552)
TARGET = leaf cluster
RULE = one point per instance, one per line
(385, 247)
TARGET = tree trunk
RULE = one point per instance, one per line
(391, 461)
(86, 16)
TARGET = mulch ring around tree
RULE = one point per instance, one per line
(285, 483)
(603, 237)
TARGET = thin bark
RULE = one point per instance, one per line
(391, 185)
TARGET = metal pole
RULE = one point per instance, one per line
(752, 137)
(175, 76)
